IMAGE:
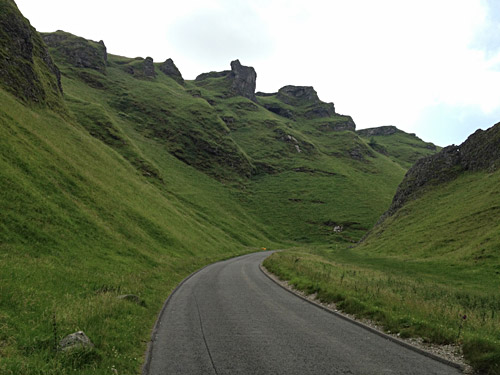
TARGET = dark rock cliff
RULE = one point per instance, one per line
(306, 96)
(148, 67)
(481, 151)
(244, 79)
(78, 51)
(26, 68)
(240, 79)
(169, 68)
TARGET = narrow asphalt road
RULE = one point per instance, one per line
(229, 318)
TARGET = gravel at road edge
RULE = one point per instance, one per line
(450, 352)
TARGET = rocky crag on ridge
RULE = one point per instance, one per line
(78, 51)
(169, 68)
(242, 79)
(481, 151)
(26, 67)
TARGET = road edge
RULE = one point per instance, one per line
(366, 327)
(148, 355)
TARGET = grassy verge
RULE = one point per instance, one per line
(412, 299)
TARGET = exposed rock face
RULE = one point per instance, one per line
(280, 111)
(79, 52)
(306, 96)
(296, 95)
(148, 67)
(481, 151)
(381, 130)
(169, 68)
(244, 79)
(26, 68)
(346, 124)
(75, 340)
(203, 76)
(321, 110)
(264, 94)
(241, 80)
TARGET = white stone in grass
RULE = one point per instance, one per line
(75, 340)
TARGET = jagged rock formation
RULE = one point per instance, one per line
(78, 51)
(244, 79)
(300, 95)
(148, 67)
(481, 151)
(302, 102)
(296, 95)
(280, 111)
(169, 68)
(26, 68)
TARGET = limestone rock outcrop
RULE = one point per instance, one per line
(26, 68)
(148, 68)
(244, 80)
(481, 151)
(169, 68)
(306, 96)
(296, 95)
(78, 51)
(241, 80)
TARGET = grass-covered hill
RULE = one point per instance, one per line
(431, 266)
(118, 176)
(398, 145)
(294, 163)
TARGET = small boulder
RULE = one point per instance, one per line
(75, 340)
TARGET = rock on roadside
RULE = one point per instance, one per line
(75, 340)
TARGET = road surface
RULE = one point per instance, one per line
(230, 318)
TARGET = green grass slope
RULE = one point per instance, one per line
(432, 261)
(405, 149)
(313, 173)
(80, 225)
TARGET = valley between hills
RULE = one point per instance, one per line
(118, 177)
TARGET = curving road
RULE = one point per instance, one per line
(229, 318)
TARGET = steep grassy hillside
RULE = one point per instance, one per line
(433, 260)
(80, 226)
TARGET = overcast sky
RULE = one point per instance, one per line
(430, 67)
